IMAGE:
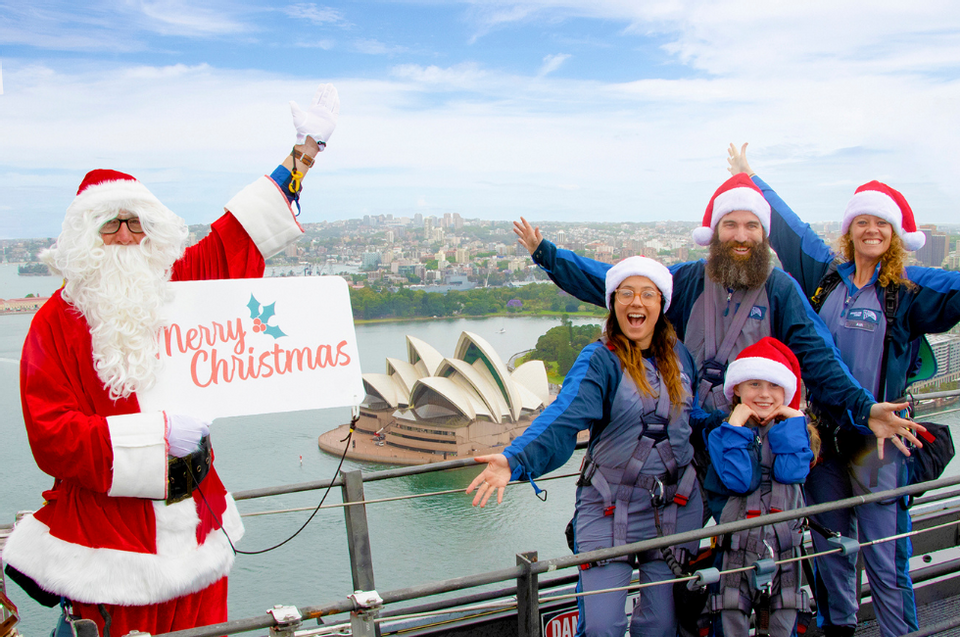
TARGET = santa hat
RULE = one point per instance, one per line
(770, 360)
(880, 200)
(641, 266)
(106, 192)
(736, 193)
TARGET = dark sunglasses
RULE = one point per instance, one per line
(113, 226)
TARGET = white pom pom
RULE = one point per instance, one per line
(913, 240)
(702, 236)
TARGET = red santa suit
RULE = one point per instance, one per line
(105, 534)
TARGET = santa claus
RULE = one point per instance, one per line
(137, 529)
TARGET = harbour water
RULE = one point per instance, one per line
(413, 541)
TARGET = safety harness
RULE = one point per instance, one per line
(715, 358)
(620, 486)
(761, 548)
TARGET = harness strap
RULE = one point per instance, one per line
(625, 489)
(716, 358)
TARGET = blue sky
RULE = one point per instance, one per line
(553, 109)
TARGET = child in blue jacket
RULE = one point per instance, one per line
(761, 456)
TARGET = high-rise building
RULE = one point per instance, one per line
(935, 249)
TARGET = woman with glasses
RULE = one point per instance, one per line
(633, 391)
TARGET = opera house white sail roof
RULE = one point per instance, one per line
(473, 385)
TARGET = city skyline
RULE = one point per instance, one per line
(551, 109)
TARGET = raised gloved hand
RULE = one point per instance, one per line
(320, 119)
(184, 433)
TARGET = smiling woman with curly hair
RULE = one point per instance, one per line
(852, 290)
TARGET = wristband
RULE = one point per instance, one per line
(304, 158)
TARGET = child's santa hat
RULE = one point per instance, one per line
(880, 200)
(641, 266)
(737, 193)
(770, 360)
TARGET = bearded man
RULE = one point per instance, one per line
(732, 300)
(136, 531)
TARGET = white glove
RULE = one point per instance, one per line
(320, 119)
(184, 433)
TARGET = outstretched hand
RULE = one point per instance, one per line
(529, 236)
(885, 423)
(320, 119)
(494, 477)
(738, 161)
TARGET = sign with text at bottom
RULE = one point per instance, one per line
(254, 346)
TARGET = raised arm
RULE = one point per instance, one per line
(260, 220)
(583, 278)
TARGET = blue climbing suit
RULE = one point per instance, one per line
(639, 447)
(781, 454)
(855, 318)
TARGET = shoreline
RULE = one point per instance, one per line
(412, 319)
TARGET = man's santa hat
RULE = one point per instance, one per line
(770, 360)
(104, 193)
(736, 193)
(880, 200)
(641, 266)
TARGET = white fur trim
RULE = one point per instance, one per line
(264, 212)
(118, 194)
(875, 203)
(109, 576)
(760, 368)
(641, 266)
(139, 455)
(740, 199)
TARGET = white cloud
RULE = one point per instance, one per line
(375, 47)
(315, 14)
(829, 97)
(551, 63)
(183, 17)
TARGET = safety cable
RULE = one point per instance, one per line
(353, 424)
(412, 496)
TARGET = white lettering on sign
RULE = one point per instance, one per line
(564, 625)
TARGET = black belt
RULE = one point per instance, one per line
(186, 473)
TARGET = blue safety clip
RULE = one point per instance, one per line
(847, 545)
(705, 577)
(763, 571)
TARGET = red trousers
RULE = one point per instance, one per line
(202, 608)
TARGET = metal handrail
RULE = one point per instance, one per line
(540, 567)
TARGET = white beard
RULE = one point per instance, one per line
(120, 293)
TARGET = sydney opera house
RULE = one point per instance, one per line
(430, 407)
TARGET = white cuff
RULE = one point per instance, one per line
(139, 455)
(265, 213)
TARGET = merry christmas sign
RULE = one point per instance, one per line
(254, 346)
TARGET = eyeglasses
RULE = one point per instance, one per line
(647, 296)
(113, 226)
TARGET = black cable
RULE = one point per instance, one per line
(353, 424)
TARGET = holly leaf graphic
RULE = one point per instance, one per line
(254, 306)
(274, 331)
(267, 313)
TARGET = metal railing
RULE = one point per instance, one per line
(366, 607)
